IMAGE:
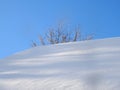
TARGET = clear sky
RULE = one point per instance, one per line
(22, 20)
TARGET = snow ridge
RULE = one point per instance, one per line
(86, 65)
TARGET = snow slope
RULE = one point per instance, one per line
(85, 65)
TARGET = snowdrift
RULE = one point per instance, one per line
(85, 65)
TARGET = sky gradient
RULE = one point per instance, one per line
(21, 21)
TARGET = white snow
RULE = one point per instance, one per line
(85, 65)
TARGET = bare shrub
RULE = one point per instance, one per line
(61, 35)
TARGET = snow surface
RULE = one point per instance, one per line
(85, 65)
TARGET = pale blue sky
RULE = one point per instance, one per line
(22, 20)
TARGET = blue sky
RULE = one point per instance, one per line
(23, 20)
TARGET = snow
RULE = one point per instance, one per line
(85, 65)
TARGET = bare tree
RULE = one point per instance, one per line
(34, 44)
(41, 40)
(51, 36)
(61, 35)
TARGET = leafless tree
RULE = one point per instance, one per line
(41, 40)
(34, 44)
(61, 35)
